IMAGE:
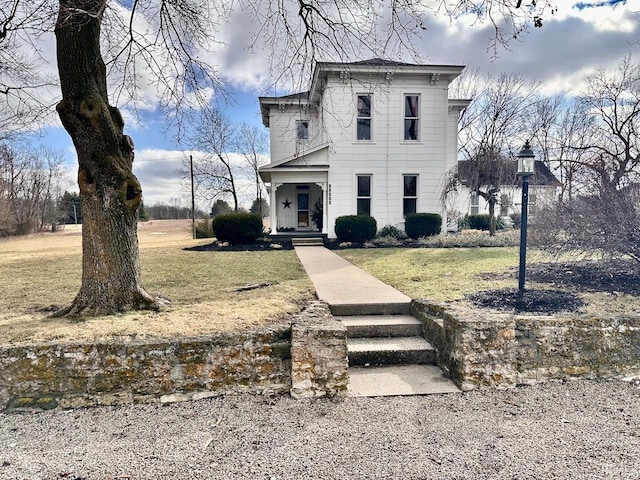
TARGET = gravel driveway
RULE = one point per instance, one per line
(577, 430)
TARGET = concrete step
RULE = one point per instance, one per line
(382, 326)
(370, 308)
(307, 242)
(398, 380)
(385, 351)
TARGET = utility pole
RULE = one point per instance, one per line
(193, 199)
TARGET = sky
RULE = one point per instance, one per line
(577, 38)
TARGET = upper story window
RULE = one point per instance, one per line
(302, 129)
(412, 117)
(364, 117)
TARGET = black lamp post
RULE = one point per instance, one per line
(526, 168)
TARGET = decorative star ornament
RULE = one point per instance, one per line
(286, 203)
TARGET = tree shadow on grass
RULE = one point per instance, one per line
(614, 276)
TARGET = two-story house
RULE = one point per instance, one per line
(374, 137)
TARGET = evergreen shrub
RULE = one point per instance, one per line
(356, 228)
(237, 228)
(422, 225)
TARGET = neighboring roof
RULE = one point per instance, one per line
(542, 177)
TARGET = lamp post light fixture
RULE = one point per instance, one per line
(526, 168)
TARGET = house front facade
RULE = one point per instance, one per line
(371, 138)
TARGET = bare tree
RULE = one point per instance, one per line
(214, 173)
(612, 145)
(490, 134)
(252, 143)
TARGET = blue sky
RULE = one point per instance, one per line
(572, 42)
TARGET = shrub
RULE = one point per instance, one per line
(516, 218)
(355, 228)
(237, 228)
(475, 222)
(390, 231)
(422, 224)
(507, 238)
(203, 229)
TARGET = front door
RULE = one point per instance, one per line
(303, 211)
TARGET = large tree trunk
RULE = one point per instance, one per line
(109, 192)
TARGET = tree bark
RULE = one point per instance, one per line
(110, 194)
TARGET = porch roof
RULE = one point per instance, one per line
(265, 172)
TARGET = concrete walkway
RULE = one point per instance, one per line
(376, 314)
(348, 289)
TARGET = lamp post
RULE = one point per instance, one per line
(526, 168)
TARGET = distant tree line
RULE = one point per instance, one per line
(31, 184)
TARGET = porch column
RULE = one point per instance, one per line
(325, 207)
(273, 208)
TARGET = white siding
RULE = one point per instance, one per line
(387, 156)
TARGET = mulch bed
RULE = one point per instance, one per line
(615, 277)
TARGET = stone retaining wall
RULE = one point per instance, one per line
(67, 375)
(494, 350)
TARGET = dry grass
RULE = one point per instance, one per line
(449, 274)
(40, 273)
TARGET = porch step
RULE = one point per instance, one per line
(390, 350)
(382, 326)
(307, 241)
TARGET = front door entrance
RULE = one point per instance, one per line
(303, 210)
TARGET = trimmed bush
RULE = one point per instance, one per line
(422, 225)
(356, 228)
(237, 228)
(476, 221)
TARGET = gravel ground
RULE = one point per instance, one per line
(577, 430)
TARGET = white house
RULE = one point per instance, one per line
(543, 190)
(373, 137)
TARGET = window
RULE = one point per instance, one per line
(364, 195)
(475, 204)
(302, 129)
(411, 117)
(364, 117)
(410, 194)
(532, 203)
(505, 204)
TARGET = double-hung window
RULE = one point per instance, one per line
(302, 129)
(364, 195)
(363, 114)
(475, 204)
(410, 195)
(412, 117)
